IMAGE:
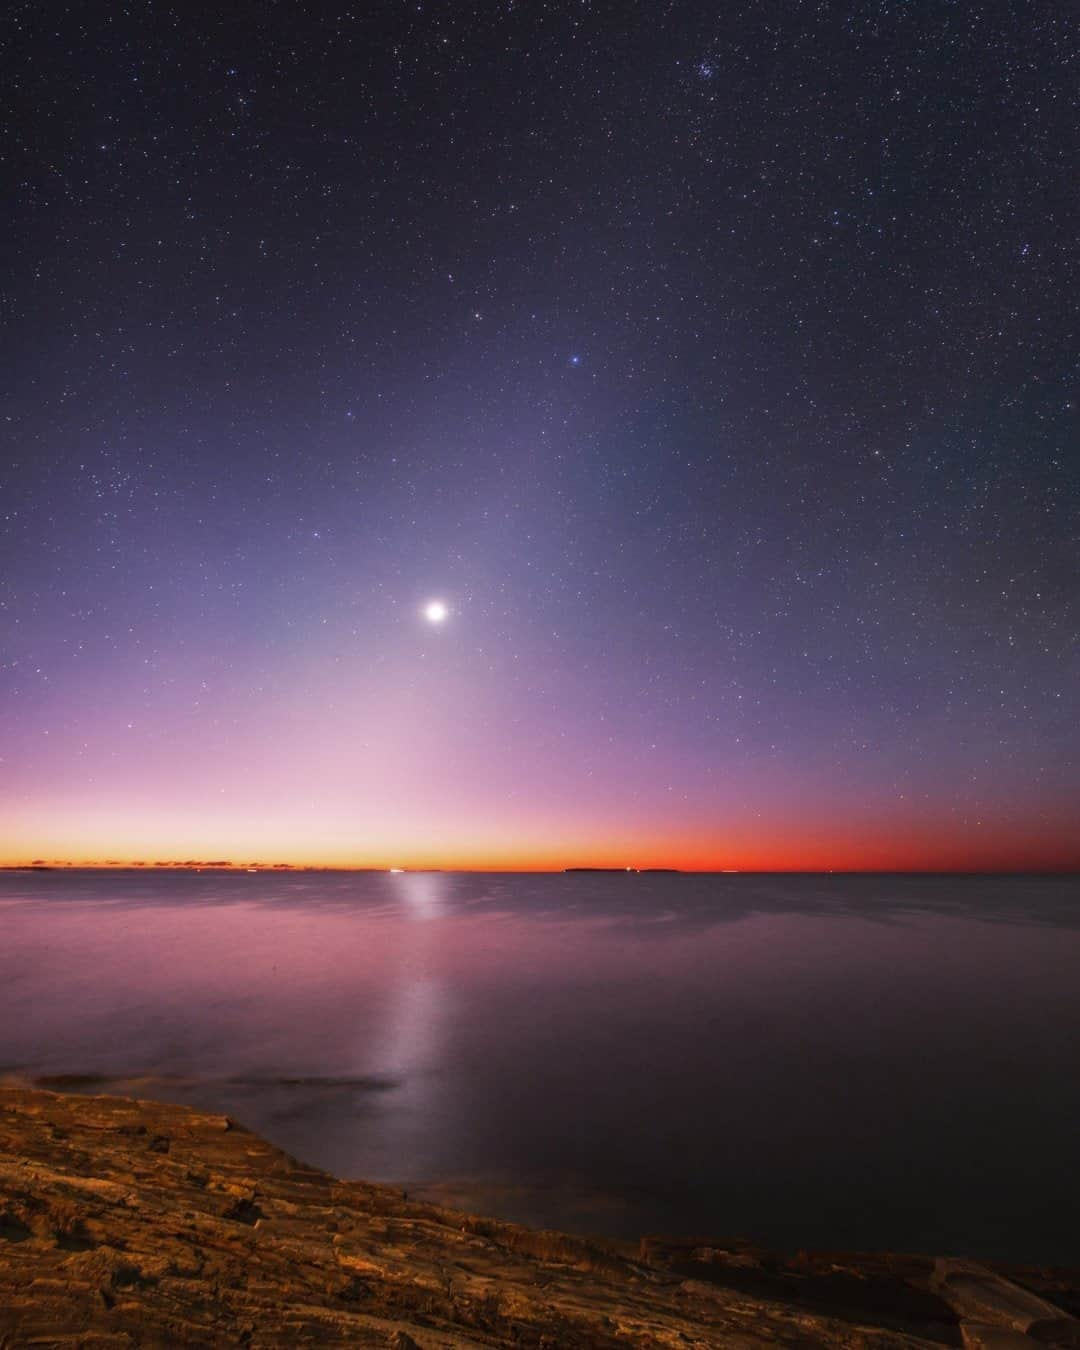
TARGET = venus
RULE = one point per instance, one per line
(435, 611)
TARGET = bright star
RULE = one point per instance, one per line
(435, 611)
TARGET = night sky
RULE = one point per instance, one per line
(714, 365)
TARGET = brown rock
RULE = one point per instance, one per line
(983, 1336)
(986, 1299)
(109, 1238)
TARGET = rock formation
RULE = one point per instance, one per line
(130, 1223)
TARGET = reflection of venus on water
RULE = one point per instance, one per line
(406, 1046)
(422, 893)
(649, 1039)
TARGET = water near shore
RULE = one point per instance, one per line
(808, 1061)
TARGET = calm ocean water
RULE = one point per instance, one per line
(883, 1061)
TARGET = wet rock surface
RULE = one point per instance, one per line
(127, 1223)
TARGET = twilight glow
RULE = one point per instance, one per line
(504, 455)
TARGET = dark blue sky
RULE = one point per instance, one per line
(717, 368)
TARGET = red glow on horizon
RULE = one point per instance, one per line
(1006, 851)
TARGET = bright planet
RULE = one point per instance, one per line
(435, 611)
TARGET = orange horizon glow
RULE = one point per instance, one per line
(1004, 855)
(430, 801)
(1068, 869)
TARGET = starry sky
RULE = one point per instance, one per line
(715, 367)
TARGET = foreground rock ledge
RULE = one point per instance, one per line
(135, 1223)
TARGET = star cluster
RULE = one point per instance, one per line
(717, 366)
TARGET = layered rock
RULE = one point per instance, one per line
(134, 1223)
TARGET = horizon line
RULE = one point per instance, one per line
(136, 865)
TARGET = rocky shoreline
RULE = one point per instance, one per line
(133, 1223)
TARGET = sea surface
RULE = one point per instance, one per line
(808, 1061)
